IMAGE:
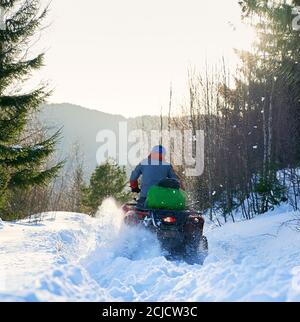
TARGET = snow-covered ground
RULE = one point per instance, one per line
(72, 257)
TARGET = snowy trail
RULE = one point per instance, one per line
(73, 257)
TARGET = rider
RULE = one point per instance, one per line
(153, 170)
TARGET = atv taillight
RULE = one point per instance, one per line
(169, 220)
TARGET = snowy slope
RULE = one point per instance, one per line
(72, 257)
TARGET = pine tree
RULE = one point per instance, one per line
(270, 194)
(277, 57)
(108, 180)
(21, 165)
(271, 76)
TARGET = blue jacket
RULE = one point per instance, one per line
(152, 172)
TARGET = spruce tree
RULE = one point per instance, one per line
(271, 77)
(108, 180)
(21, 165)
(277, 70)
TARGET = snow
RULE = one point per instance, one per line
(38, 147)
(17, 147)
(73, 257)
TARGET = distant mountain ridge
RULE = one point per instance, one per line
(80, 126)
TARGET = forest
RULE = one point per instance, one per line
(250, 117)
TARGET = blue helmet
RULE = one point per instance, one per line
(159, 149)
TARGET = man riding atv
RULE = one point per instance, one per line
(162, 209)
(153, 170)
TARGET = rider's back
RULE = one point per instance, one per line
(152, 172)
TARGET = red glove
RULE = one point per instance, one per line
(135, 186)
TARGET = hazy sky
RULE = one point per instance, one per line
(119, 56)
